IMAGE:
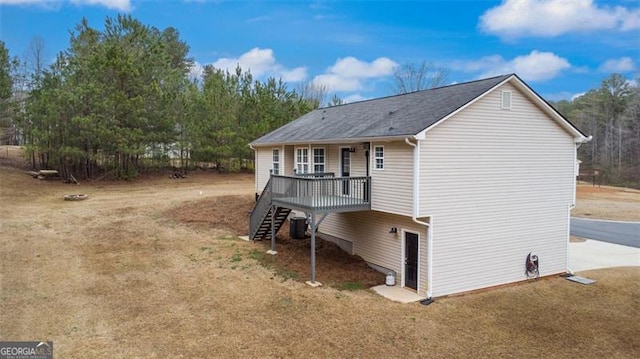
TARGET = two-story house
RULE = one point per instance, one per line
(452, 188)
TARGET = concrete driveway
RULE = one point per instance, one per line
(609, 244)
(592, 254)
(625, 233)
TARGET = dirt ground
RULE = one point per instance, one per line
(334, 267)
(121, 275)
(605, 202)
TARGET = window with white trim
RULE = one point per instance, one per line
(302, 160)
(275, 167)
(506, 100)
(318, 160)
(378, 157)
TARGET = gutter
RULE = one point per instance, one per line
(339, 141)
(584, 140)
(414, 216)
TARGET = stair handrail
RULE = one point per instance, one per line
(260, 210)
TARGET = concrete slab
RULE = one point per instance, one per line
(314, 284)
(397, 294)
(581, 280)
(592, 254)
(244, 238)
(273, 253)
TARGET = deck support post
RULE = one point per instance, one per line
(313, 247)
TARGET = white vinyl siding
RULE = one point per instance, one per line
(392, 189)
(498, 185)
(289, 161)
(369, 233)
(264, 158)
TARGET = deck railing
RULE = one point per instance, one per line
(322, 193)
(315, 175)
(260, 209)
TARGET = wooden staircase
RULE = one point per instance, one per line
(261, 216)
(264, 230)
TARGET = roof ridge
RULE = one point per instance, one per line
(417, 91)
(396, 115)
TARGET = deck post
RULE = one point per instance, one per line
(313, 248)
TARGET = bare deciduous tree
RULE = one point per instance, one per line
(313, 93)
(410, 77)
(34, 57)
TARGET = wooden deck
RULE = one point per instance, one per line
(322, 195)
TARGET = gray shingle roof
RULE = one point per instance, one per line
(400, 115)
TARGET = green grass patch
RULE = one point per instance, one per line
(237, 257)
(289, 274)
(256, 255)
(208, 250)
(350, 286)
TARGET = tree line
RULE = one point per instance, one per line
(120, 101)
(611, 115)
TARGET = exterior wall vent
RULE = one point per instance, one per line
(506, 100)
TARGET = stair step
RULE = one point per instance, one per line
(264, 229)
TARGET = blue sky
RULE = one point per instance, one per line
(560, 47)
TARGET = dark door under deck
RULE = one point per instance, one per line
(411, 260)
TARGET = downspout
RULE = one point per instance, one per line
(578, 143)
(414, 216)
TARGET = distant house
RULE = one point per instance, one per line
(451, 188)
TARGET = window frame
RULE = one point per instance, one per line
(376, 158)
(300, 165)
(324, 159)
(275, 161)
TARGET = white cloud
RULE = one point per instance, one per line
(558, 96)
(354, 98)
(334, 82)
(120, 5)
(576, 96)
(623, 64)
(262, 62)
(549, 18)
(350, 66)
(296, 75)
(349, 73)
(536, 66)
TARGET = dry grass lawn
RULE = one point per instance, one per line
(605, 202)
(114, 276)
